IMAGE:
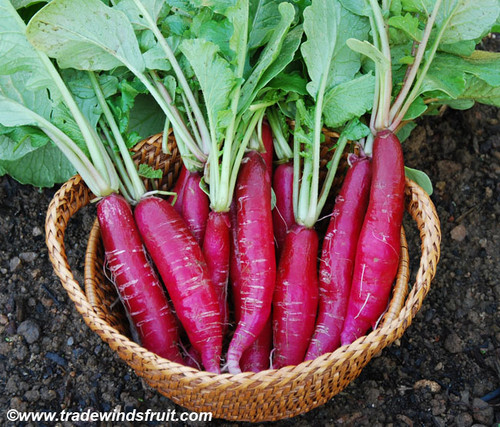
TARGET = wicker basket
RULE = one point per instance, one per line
(265, 396)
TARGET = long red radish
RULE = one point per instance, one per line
(178, 189)
(283, 216)
(378, 249)
(138, 286)
(216, 250)
(195, 206)
(338, 256)
(256, 255)
(295, 296)
(257, 357)
(180, 263)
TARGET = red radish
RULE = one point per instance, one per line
(257, 357)
(179, 189)
(378, 249)
(337, 258)
(180, 263)
(195, 206)
(283, 216)
(138, 286)
(295, 296)
(216, 249)
(256, 253)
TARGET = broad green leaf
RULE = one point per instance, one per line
(42, 167)
(417, 108)
(264, 16)
(405, 131)
(463, 48)
(214, 74)
(358, 7)
(480, 91)
(292, 82)
(466, 19)
(13, 86)
(128, 7)
(421, 178)
(348, 100)
(83, 35)
(81, 87)
(326, 52)
(271, 52)
(17, 54)
(448, 73)
(238, 16)
(148, 172)
(146, 117)
(356, 130)
(19, 141)
(287, 53)
(18, 4)
(408, 24)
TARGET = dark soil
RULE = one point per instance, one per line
(439, 373)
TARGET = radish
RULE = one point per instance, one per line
(195, 206)
(257, 357)
(256, 255)
(378, 248)
(216, 250)
(178, 189)
(138, 286)
(283, 217)
(338, 255)
(295, 298)
(181, 264)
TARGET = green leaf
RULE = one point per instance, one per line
(206, 62)
(270, 54)
(348, 100)
(326, 52)
(448, 73)
(358, 7)
(480, 91)
(356, 130)
(264, 16)
(421, 178)
(146, 117)
(404, 133)
(42, 167)
(148, 172)
(408, 24)
(81, 35)
(417, 108)
(128, 7)
(19, 55)
(466, 19)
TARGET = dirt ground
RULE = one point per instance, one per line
(443, 372)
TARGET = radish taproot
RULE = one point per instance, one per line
(139, 289)
(183, 269)
(256, 256)
(338, 256)
(295, 298)
(378, 249)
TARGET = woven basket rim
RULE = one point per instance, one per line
(73, 195)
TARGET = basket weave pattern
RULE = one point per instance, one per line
(265, 396)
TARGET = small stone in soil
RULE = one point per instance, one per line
(29, 330)
(482, 412)
(459, 233)
(14, 264)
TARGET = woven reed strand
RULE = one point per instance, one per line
(268, 395)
